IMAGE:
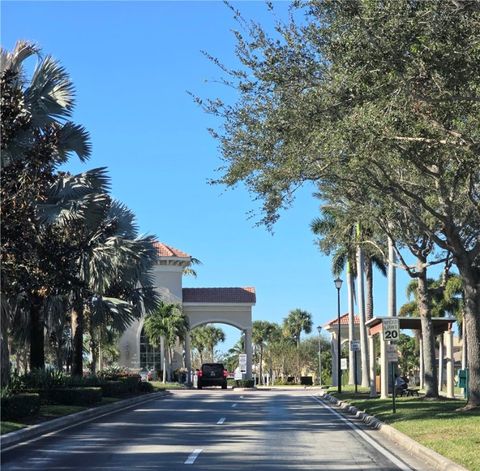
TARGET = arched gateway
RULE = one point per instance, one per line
(232, 306)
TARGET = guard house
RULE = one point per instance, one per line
(443, 330)
(231, 306)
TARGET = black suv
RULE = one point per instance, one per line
(212, 374)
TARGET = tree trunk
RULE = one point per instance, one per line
(392, 280)
(361, 313)
(37, 333)
(471, 287)
(430, 365)
(260, 365)
(368, 288)
(351, 323)
(5, 357)
(93, 349)
(77, 339)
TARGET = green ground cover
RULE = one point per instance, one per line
(48, 412)
(159, 386)
(436, 424)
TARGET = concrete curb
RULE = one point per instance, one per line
(14, 438)
(413, 447)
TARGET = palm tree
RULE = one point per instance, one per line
(261, 334)
(296, 322)
(36, 138)
(198, 339)
(215, 335)
(169, 323)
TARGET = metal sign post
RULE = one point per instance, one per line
(392, 357)
(355, 347)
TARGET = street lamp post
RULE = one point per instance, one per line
(319, 328)
(338, 284)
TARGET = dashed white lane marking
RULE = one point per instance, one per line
(241, 397)
(401, 465)
(193, 456)
(221, 420)
(234, 405)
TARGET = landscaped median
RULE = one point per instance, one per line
(39, 397)
(438, 425)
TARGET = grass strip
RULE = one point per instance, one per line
(438, 425)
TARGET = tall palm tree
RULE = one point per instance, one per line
(261, 334)
(215, 335)
(296, 322)
(169, 323)
(36, 138)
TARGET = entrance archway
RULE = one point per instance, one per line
(232, 306)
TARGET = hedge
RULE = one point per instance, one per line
(145, 387)
(20, 405)
(244, 383)
(114, 388)
(76, 396)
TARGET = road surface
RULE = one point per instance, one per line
(212, 430)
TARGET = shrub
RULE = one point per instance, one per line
(76, 396)
(114, 388)
(20, 405)
(131, 382)
(244, 383)
(145, 387)
(44, 379)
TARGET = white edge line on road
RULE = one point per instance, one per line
(221, 420)
(366, 437)
(234, 405)
(90, 419)
(193, 456)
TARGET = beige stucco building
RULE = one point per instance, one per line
(231, 306)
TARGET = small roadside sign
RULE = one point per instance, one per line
(343, 364)
(242, 362)
(392, 353)
(354, 345)
(391, 329)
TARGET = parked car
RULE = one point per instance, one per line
(212, 374)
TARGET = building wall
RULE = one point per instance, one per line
(168, 282)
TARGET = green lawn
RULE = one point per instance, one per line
(48, 412)
(6, 427)
(159, 386)
(435, 424)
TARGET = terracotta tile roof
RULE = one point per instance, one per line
(344, 320)
(219, 295)
(169, 251)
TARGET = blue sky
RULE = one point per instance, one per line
(132, 64)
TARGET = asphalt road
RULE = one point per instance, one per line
(212, 430)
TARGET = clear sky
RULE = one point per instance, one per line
(132, 64)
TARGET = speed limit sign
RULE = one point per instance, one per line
(391, 329)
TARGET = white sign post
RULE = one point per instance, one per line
(392, 353)
(391, 329)
(242, 362)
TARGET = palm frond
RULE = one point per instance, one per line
(73, 138)
(50, 96)
(13, 60)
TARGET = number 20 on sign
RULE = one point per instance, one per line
(391, 329)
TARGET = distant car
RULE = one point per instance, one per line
(212, 374)
(147, 375)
